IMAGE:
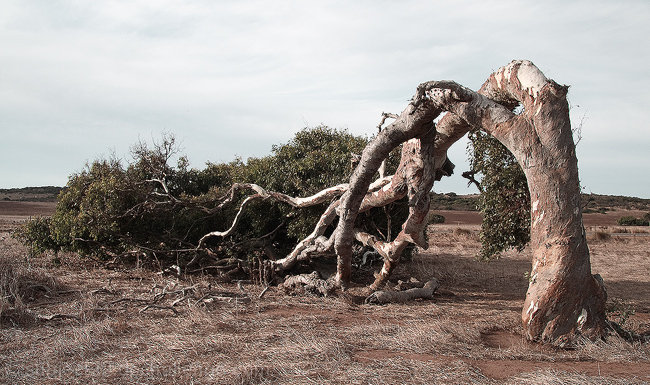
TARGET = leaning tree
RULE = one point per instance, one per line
(517, 105)
(529, 114)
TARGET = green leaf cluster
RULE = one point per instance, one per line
(634, 221)
(110, 207)
(505, 199)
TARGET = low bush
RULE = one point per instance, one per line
(602, 236)
(436, 219)
(633, 221)
(150, 206)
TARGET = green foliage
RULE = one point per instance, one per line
(620, 311)
(505, 199)
(435, 219)
(313, 160)
(36, 235)
(451, 201)
(633, 221)
(152, 205)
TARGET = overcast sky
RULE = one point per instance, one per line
(82, 79)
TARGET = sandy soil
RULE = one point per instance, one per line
(592, 219)
(81, 322)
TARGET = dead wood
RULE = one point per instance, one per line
(389, 296)
(308, 283)
(563, 300)
(263, 292)
(161, 307)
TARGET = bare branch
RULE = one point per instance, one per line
(470, 176)
(234, 222)
(384, 297)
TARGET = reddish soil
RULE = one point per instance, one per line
(504, 369)
(470, 333)
(453, 217)
(26, 209)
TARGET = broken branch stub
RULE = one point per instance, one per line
(564, 300)
(390, 296)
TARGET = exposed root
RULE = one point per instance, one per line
(385, 296)
(310, 283)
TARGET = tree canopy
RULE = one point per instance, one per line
(149, 206)
(176, 213)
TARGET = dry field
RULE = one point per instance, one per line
(75, 321)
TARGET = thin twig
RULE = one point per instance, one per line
(154, 306)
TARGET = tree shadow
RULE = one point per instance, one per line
(470, 279)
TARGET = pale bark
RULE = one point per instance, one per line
(413, 122)
(386, 296)
(563, 300)
(310, 283)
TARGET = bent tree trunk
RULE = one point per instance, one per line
(563, 300)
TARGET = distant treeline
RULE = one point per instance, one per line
(448, 201)
(601, 203)
(31, 194)
(592, 203)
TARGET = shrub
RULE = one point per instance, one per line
(436, 218)
(36, 234)
(633, 221)
(505, 199)
(149, 205)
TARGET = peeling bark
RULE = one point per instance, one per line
(310, 283)
(384, 296)
(564, 300)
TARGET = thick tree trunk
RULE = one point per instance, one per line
(563, 300)
(414, 121)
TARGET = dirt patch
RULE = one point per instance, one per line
(470, 332)
(610, 218)
(501, 339)
(19, 210)
(504, 369)
(454, 217)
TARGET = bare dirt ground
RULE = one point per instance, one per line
(75, 321)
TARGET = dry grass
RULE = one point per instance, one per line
(469, 334)
(601, 236)
(553, 377)
(20, 286)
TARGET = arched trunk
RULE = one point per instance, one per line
(563, 300)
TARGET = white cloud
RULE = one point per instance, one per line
(235, 77)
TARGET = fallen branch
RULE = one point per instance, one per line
(263, 292)
(56, 317)
(154, 306)
(384, 296)
(310, 283)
